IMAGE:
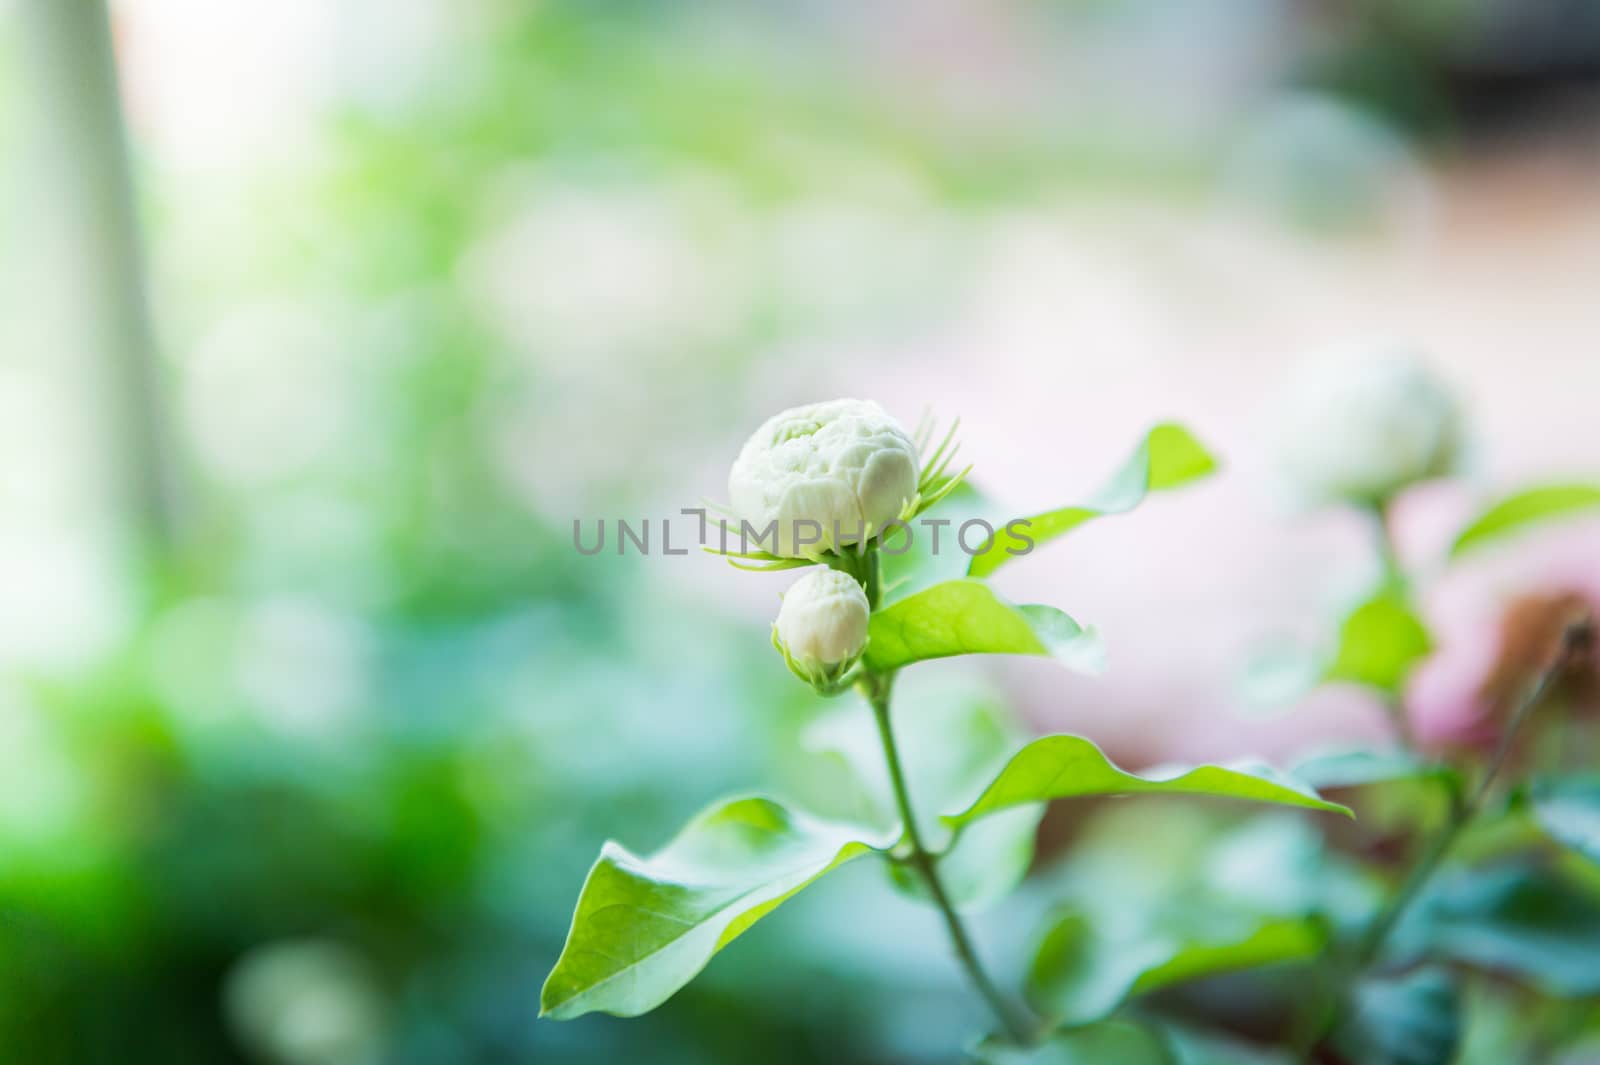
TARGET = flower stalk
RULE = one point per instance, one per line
(926, 865)
(1395, 582)
(876, 687)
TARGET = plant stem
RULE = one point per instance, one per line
(1394, 582)
(864, 565)
(1574, 638)
(877, 687)
(1394, 574)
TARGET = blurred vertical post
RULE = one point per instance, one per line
(91, 238)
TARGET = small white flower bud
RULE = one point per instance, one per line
(824, 473)
(1360, 425)
(822, 626)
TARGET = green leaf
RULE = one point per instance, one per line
(962, 736)
(1413, 1019)
(1058, 767)
(1535, 505)
(1568, 809)
(1108, 1043)
(1379, 643)
(1168, 457)
(1517, 919)
(645, 926)
(1081, 972)
(966, 617)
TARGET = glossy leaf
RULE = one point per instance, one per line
(1109, 1043)
(1516, 512)
(1568, 809)
(1168, 457)
(951, 742)
(1379, 644)
(1411, 1019)
(645, 926)
(1082, 973)
(1058, 767)
(965, 617)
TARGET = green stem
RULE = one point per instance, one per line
(1573, 639)
(1394, 581)
(864, 565)
(1394, 574)
(877, 687)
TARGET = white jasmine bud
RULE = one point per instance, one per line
(822, 626)
(1359, 425)
(828, 474)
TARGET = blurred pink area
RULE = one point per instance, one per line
(1482, 614)
(1081, 325)
(1058, 324)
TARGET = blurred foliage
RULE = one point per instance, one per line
(330, 797)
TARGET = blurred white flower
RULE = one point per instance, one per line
(1360, 424)
(844, 465)
(307, 1002)
(822, 625)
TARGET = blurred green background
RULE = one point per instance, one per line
(310, 718)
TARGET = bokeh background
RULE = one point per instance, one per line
(322, 322)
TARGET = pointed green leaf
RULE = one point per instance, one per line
(1379, 643)
(1168, 457)
(1082, 973)
(966, 617)
(1568, 809)
(1116, 1042)
(1515, 512)
(645, 926)
(1058, 767)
